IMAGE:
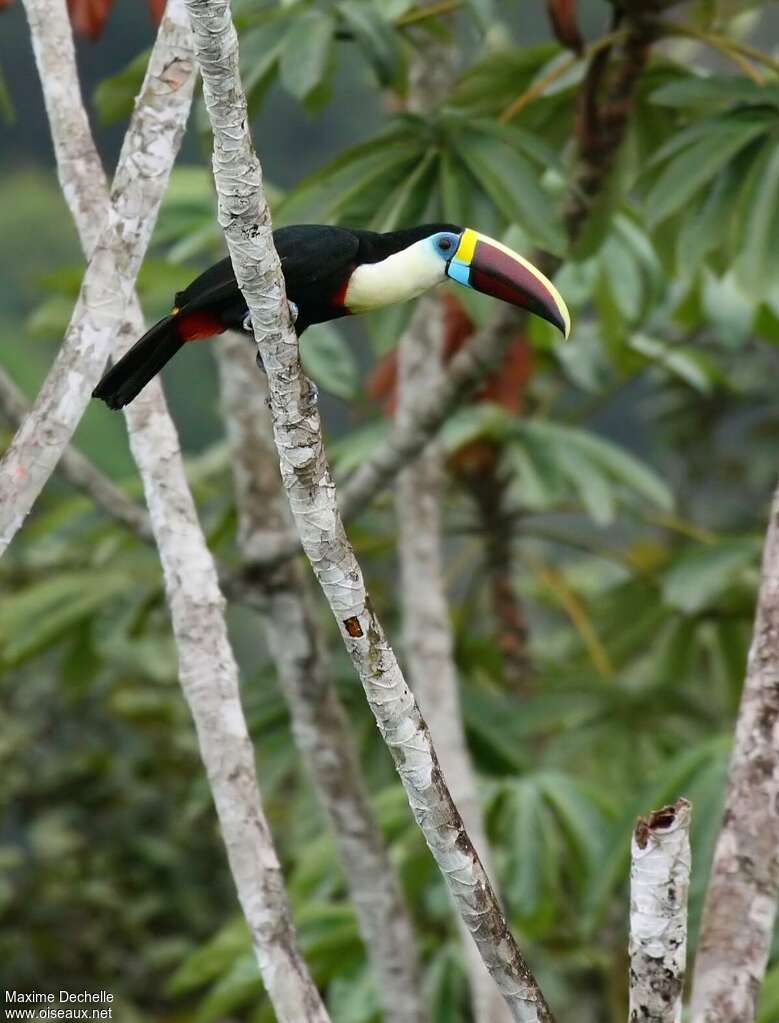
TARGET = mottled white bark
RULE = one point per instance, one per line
(79, 471)
(208, 672)
(148, 152)
(319, 722)
(427, 631)
(659, 883)
(244, 216)
(740, 908)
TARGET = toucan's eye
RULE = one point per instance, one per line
(446, 244)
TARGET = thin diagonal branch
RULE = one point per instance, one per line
(319, 722)
(741, 901)
(659, 883)
(77, 469)
(142, 176)
(207, 668)
(243, 213)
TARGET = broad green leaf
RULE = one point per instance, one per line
(305, 55)
(537, 478)
(684, 362)
(707, 90)
(535, 850)
(211, 959)
(590, 484)
(261, 47)
(7, 112)
(706, 226)
(702, 575)
(235, 990)
(727, 308)
(454, 184)
(484, 421)
(617, 462)
(768, 1004)
(493, 82)
(511, 183)
(328, 360)
(446, 988)
(686, 173)
(580, 817)
(351, 450)
(114, 97)
(40, 614)
(405, 205)
(353, 999)
(377, 38)
(758, 251)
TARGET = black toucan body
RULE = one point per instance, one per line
(331, 272)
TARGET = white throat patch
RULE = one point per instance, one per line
(399, 277)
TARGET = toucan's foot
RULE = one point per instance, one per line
(293, 311)
(260, 363)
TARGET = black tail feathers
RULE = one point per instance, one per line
(127, 378)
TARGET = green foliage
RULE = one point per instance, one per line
(634, 485)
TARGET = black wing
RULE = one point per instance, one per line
(316, 260)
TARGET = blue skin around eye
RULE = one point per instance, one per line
(456, 270)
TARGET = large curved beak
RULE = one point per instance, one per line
(488, 266)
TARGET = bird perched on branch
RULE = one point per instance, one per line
(331, 272)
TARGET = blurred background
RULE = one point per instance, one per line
(620, 483)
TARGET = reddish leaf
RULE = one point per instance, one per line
(5, 3)
(88, 17)
(157, 9)
(563, 15)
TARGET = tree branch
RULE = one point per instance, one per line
(427, 632)
(207, 668)
(319, 721)
(79, 471)
(740, 907)
(147, 156)
(244, 216)
(659, 883)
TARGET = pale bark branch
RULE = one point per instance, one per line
(427, 632)
(244, 216)
(427, 629)
(77, 469)
(208, 672)
(659, 883)
(145, 163)
(319, 722)
(740, 908)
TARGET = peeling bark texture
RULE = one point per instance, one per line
(659, 883)
(740, 907)
(244, 216)
(319, 722)
(149, 149)
(79, 471)
(209, 675)
(427, 631)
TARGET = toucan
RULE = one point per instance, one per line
(331, 272)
